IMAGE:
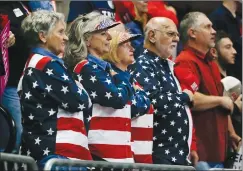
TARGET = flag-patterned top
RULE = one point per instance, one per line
(172, 119)
(52, 106)
(141, 124)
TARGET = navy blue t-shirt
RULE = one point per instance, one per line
(83, 7)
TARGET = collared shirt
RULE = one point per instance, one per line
(172, 119)
(211, 125)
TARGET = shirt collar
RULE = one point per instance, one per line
(196, 52)
(45, 52)
(153, 55)
(103, 64)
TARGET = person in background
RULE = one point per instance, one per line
(77, 8)
(18, 54)
(210, 109)
(52, 102)
(172, 137)
(140, 13)
(227, 18)
(121, 56)
(224, 53)
(110, 117)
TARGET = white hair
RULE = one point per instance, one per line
(40, 21)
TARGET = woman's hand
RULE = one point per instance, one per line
(11, 40)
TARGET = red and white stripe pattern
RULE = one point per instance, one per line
(142, 137)
(110, 133)
(71, 137)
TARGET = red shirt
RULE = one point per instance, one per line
(211, 125)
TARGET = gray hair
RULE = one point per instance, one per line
(190, 20)
(78, 34)
(39, 21)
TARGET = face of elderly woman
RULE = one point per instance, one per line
(99, 44)
(56, 40)
(125, 53)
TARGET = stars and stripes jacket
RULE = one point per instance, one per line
(172, 118)
(52, 109)
(141, 125)
(110, 119)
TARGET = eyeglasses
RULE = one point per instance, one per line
(170, 34)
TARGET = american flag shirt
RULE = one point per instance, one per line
(52, 107)
(172, 118)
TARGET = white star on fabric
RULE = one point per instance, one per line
(172, 123)
(154, 138)
(49, 71)
(172, 84)
(65, 105)
(184, 137)
(170, 138)
(93, 79)
(81, 106)
(155, 111)
(51, 112)
(50, 131)
(178, 98)
(160, 145)
(176, 105)
(164, 78)
(119, 95)
(179, 114)
(173, 159)
(108, 95)
(48, 88)
(65, 89)
(95, 66)
(164, 116)
(80, 91)
(35, 84)
(39, 106)
(167, 151)
(108, 81)
(169, 98)
(37, 141)
(31, 116)
(46, 151)
(156, 59)
(134, 102)
(176, 145)
(181, 152)
(156, 124)
(145, 51)
(161, 97)
(30, 72)
(138, 74)
(65, 77)
(89, 118)
(154, 101)
(164, 131)
(80, 78)
(165, 106)
(93, 94)
(146, 79)
(169, 93)
(27, 95)
(179, 130)
(185, 121)
(152, 74)
(124, 83)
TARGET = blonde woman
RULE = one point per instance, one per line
(109, 132)
(121, 56)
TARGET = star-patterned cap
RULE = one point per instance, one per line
(105, 24)
(126, 36)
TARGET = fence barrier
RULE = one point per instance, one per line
(14, 162)
(56, 164)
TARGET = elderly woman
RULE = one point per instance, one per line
(52, 103)
(110, 118)
(121, 56)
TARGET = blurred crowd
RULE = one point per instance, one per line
(124, 81)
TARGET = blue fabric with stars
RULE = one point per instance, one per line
(43, 93)
(171, 122)
(103, 88)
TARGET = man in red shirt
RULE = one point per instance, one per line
(211, 111)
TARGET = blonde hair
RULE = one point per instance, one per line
(79, 32)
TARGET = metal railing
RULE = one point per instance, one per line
(14, 162)
(55, 164)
